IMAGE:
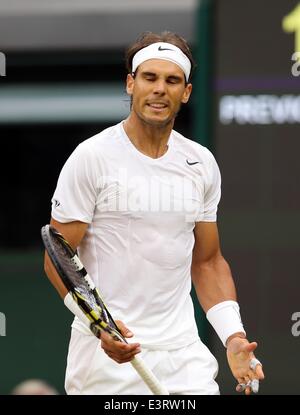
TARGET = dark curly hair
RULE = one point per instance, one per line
(147, 38)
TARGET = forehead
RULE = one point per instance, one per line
(161, 67)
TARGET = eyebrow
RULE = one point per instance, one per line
(148, 73)
(172, 77)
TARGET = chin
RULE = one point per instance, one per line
(157, 120)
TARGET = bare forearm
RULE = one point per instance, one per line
(213, 282)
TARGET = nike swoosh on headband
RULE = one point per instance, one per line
(160, 48)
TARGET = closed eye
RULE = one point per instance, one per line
(149, 76)
(174, 80)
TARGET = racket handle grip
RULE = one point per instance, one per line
(148, 376)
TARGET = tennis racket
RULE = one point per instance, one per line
(86, 295)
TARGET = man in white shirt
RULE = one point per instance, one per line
(139, 201)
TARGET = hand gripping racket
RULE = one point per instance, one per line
(83, 290)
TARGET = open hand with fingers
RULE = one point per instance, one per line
(244, 366)
(116, 350)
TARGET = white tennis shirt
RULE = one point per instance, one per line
(141, 214)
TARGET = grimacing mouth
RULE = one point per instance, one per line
(157, 104)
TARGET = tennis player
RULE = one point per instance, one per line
(139, 201)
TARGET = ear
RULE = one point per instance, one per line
(187, 93)
(129, 84)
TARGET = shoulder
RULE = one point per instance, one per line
(193, 150)
(99, 144)
(109, 135)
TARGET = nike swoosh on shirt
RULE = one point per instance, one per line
(191, 163)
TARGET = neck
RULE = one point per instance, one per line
(149, 139)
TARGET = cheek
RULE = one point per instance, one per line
(177, 101)
(139, 94)
(137, 101)
(177, 97)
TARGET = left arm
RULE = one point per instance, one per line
(214, 285)
(210, 272)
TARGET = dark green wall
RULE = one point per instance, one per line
(202, 108)
(37, 323)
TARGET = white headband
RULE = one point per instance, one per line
(165, 51)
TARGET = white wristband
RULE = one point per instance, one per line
(226, 319)
(71, 304)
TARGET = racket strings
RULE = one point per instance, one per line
(73, 275)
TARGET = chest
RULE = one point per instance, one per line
(129, 188)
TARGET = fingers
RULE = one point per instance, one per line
(123, 359)
(118, 351)
(241, 385)
(250, 382)
(244, 385)
(256, 368)
(246, 368)
(256, 371)
(259, 372)
(255, 385)
(123, 329)
(248, 387)
(250, 347)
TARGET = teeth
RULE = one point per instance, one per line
(158, 105)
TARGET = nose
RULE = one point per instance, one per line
(160, 87)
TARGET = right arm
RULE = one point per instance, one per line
(73, 232)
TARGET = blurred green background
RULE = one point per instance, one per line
(37, 335)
